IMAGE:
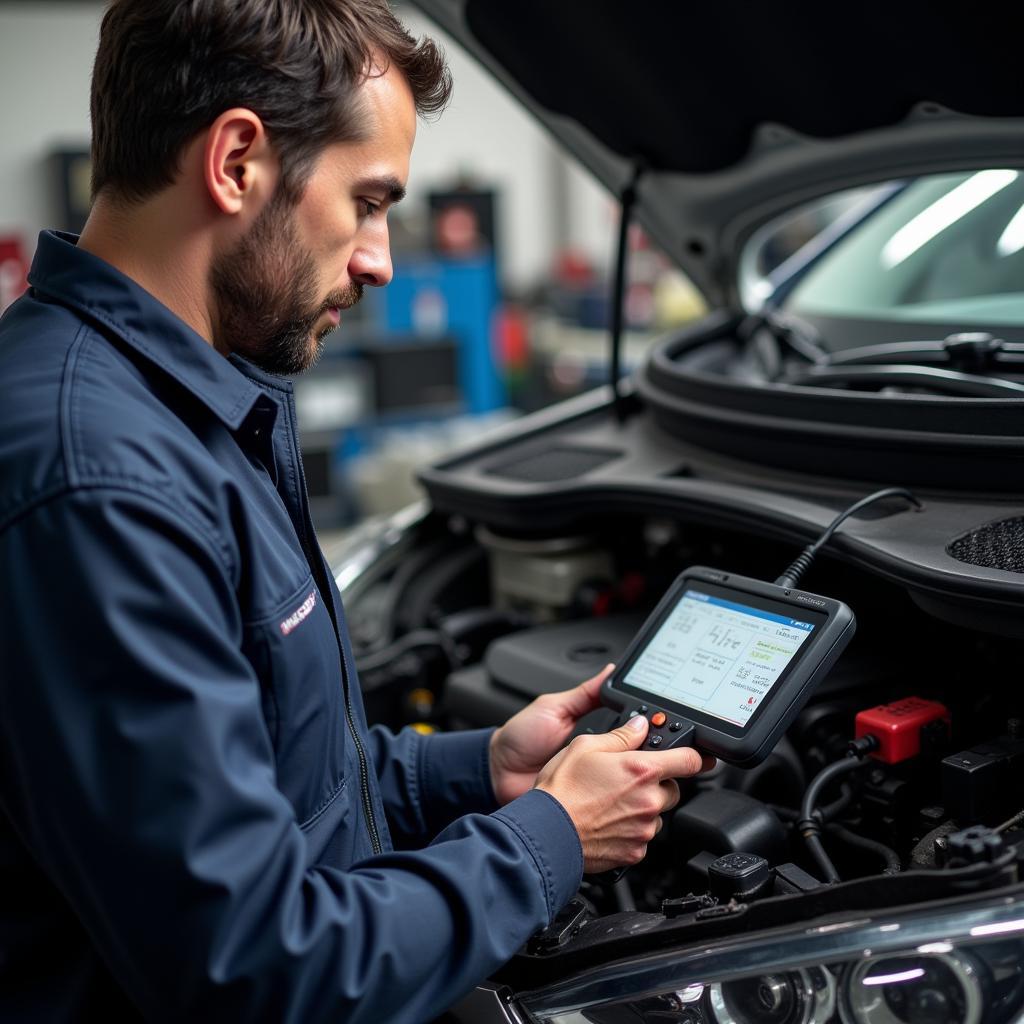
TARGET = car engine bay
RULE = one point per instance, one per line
(894, 793)
(467, 625)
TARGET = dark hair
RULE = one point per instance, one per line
(166, 69)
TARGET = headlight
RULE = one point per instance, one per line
(948, 967)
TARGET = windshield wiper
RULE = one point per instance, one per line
(958, 364)
(770, 332)
(971, 352)
(933, 378)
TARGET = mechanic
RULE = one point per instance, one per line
(195, 821)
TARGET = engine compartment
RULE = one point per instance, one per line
(465, 625)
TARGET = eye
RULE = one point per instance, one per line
(367, 208)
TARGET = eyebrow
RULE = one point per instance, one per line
(391, 187)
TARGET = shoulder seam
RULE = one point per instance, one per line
(146, 350)
(68, 391)
(139, 489)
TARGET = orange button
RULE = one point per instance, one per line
(658, 719)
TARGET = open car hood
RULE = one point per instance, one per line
(738, 112)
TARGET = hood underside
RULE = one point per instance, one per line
(736, 113)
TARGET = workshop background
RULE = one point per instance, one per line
(502, 253)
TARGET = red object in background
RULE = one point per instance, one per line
(631, 588)
(13, 270)
(572, 269)
(513, 337)
(897, 726)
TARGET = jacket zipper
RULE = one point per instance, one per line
(364, 770)
(316, 564)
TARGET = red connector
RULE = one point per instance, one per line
(897, 726)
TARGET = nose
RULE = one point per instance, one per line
(370, 263)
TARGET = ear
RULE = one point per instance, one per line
(239, 167)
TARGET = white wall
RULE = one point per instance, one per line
(486, 135)
(46, 53)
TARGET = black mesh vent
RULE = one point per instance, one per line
(996, 546)
(553, 464)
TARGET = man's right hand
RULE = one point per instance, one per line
(615, 793)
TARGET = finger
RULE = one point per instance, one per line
(659, 825)
(626, 737)
(677, 763)
(708, 762)
(670, 794)
(585, 697)
(592, 687)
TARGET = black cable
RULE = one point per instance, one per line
(623, 894)
(800, 564)
(1015, 820)
(627, 201)
(409, 642)
(887, 853)
(410, 568)
(810, 823)
(826, 813)
(810, 826)
(832, 811)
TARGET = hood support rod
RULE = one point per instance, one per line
(627, 200)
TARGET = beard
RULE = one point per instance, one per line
(265, 291)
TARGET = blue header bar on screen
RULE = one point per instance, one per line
(749, 610)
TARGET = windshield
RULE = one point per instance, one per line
(946, 250)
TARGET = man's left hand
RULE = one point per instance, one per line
(529, 739)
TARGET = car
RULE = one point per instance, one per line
(883, 357)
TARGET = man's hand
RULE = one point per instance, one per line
(529, 739)
(615, 794)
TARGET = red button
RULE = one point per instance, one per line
(658, 719)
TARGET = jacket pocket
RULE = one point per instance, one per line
(295, 655)
(323, 828)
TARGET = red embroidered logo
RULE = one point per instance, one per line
(300, 613)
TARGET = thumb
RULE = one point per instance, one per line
(628, 736)
(585, 697)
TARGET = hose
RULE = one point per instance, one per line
(889, 855)
(826, 813)
(409, 642)
(810, 822)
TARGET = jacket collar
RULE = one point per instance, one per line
(101, 293)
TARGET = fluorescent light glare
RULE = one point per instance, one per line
(943, 213)
(998, 929)
(1012, 239)
(895, 979)
(691, 993)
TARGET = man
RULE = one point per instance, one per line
(195, 821)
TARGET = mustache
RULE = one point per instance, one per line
(343, 298)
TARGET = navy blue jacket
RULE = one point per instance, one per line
(195, 820)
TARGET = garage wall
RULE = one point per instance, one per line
(486, 135)
(46, 52)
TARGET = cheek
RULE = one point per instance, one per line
(326, 223)
(331, 243)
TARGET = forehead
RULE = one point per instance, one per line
(390, 130)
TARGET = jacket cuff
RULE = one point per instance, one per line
(456, 768)
(547, 831)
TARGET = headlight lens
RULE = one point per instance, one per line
(941, 968)
(786, 997)
(939, 987)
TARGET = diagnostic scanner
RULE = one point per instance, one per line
(725, 663)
